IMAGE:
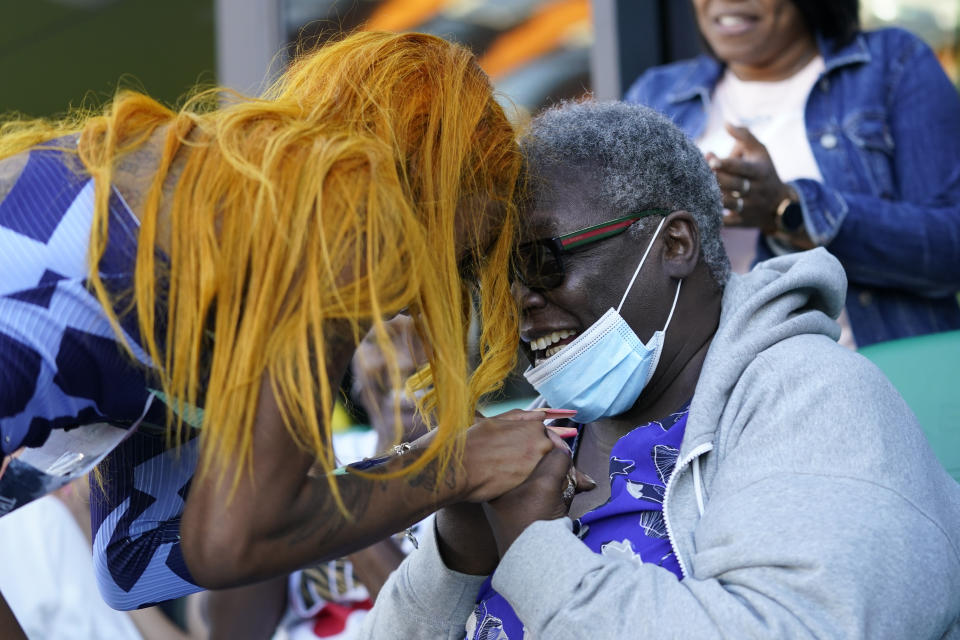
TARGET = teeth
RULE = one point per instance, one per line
(539, 344)
(553, 350)
(731, 21)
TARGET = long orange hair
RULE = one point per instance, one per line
(359, 184)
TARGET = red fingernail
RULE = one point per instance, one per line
(565, 412)
(564, 432)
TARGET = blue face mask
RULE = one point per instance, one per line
(604, 370)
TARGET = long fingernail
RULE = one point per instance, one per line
(714, 163)
(593, 483)
(564, 412)
(563, 432)
(556, 440)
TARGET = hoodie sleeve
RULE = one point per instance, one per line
(822, 519)
(423, 599)
(747, 584)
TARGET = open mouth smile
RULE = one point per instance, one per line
(550, 344)
(733, 24)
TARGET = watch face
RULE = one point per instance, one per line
(792, 218)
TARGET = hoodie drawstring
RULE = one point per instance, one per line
(697, 485)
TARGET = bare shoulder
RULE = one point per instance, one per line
(134, 176)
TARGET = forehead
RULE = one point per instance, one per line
(563, 206)
(476, 224)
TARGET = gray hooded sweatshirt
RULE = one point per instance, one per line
(806, 503)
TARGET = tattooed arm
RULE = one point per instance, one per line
(281, 518)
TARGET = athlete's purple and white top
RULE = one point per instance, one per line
(63, 374)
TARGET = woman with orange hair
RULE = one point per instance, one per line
(198, 280)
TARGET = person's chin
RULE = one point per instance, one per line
(743, 52)
(738, 45)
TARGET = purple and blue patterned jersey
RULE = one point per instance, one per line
(63, 368)
(629, 526)
(60, 363)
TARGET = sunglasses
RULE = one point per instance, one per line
(539, 263)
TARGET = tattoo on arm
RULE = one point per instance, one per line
(429, 477)
(328, 522)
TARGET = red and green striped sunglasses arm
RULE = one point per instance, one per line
(604, 229)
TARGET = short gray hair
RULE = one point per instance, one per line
(636, 158)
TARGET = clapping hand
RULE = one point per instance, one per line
(751, 188)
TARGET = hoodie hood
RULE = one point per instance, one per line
(791, 295)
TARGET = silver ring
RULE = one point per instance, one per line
(402, 448)
(739, 205)
(746, 186)
(735, 193)
(570, 490)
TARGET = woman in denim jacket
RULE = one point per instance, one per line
(872, 170)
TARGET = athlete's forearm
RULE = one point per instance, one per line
(280, 518)
(234, 546)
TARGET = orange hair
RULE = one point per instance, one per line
(353, 188)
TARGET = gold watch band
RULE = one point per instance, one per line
(780, 209)
(791, 198)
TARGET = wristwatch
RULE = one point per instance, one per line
(789, 215)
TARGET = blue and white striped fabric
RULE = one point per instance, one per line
(62, 367)
(59, 357)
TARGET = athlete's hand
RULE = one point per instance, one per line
(499, 454)
(466, 541)
(502, 451)
(543, 496)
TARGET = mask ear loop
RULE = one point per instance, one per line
(642, 260)
(676, 296)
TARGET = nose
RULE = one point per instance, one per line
(527, 299)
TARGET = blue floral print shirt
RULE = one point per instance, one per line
(629, 526)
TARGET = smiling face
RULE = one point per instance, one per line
(596, 276)
(766, 38)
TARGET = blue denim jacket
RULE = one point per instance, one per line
(883, 122)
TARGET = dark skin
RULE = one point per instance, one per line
(280, 518)
(596, 279)
(9, 627)
(255, 610)
(762, 41)
(246, 612)
(373, 390)
(749, 165)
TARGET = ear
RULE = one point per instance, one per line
(681, 244)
